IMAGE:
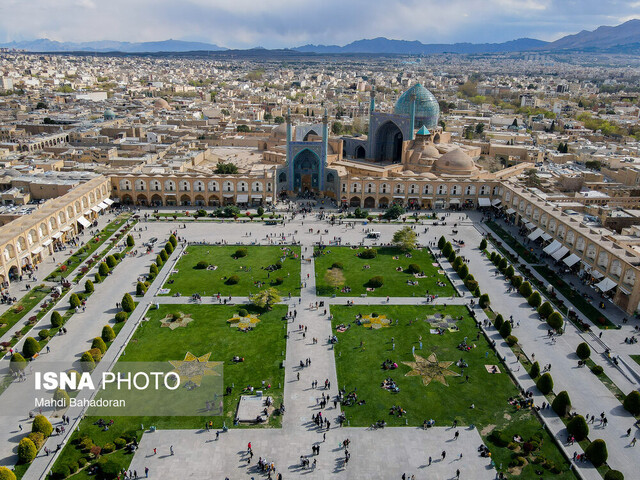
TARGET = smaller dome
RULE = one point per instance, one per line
(161, 104)
(280, 132)
(455, 162)
(109, 114)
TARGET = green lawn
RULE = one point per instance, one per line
(361, 368)
(249, 269)
(18, 310)
(636, 358)
(355, 276)
(208, 332)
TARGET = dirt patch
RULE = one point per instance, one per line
(487, 430)
(507, 416)
(334, 277)
(515, 471)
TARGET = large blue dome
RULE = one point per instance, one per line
(427, 108)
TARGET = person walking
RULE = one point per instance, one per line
(444, 454)
(146, 472)
(171, 449)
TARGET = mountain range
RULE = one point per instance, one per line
(623, 38)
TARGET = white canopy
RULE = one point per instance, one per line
(496, 202)
(606, 284)
(108, 201)
(596, 274)
(535, 234)
(57, 235)
(571, 260)
(484, 202)
(37, 251)
(243, 198)
(46, 243)
(552, 247)
(256, 197)
(269, 199)
(561, 252)
(65, 229)
(103, 205)
(546, 236)
(84, 222)
(510, 211)
(454, 201)
(96, 209)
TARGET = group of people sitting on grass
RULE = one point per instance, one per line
(397, 410)
(464, 346)
(389, 384)
(428, 423)
(520, 403)
(389, 365)
(345, 290)
(104, 425)
(462, 364)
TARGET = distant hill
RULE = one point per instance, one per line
(387, 46)
(46, 45)
(619, 38)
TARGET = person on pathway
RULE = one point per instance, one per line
(146, 472)
(155, 451)
(633, 442)
(458, 473)
(456, 435)
(444, 454)
(429, 461)
(171, 449)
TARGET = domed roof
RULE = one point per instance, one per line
(280, 132)
(161, 104)
(108, 114)
(455, 162)
(427, 108)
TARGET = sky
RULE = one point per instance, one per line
(290, 23)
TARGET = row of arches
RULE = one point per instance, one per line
(170, 185)
(157, 200)
(413, 188)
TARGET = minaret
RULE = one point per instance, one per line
(412, 115)
(325, 148)
(289, 159)
(372, 108)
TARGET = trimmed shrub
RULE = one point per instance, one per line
(103, 269)
(561, 404)
(43, 334)
(484, 300)
(502, 266)
(128, 305)
(369, 253)
(505, 329)
(492, 256)
(163, 255)
(483, 244)
(498, 321)
(60, 472)
(109, 468)
(173, 240)
(97, 278)
(96, 354)
(545, 383)
(610, 475)
(130, 241)
(632, 403)
(512, 340)
(243, 312)
(108, 448)
(168, 248)
(457, 263)
(99, 344)
(509, 272)
(30, 347)
(375, 282)
(583, 351)
(111, 261)
(545, 310)
(597, 452)
(6, 474)
(597, 370)
(499, 438)
(201, 265)
(159, 260)
(525, 289)
(88, 286)
(516, 281)
(74, 301)
(555, 320)
(578, 427)
(535, 370)
(41, 424)
(476, 292)
(463, 272)
(107, 334)
(27, 451)
(279, 281)
(241, 252)
(470, 284)
(37, 438)
(56, 319)
(153, 269)
(441, 242)
(87, 362)
(447, 249)
(120, 443)
(535, 299)
(121, 317)
(118, 256)
(413, 268)
(61, 395)
(141, 289)
(17, 362)
(452, 256)
(233, 280)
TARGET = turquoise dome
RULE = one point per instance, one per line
(427, 108)
(109, 115)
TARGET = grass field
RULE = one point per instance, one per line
(636, 358)
(361, 368)
(249, 269)
(18, 310)
(208, 332)
(355, 276)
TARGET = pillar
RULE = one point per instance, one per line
(289, 159)
(412, 115)
(325, 149)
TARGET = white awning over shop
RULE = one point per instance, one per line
(606, 284)
(561, 252)
(243, 198)
(46, 243)
(399, 196)
(108, 201)
(571, 260)
(596, 274)
(256, 197)
(227, 195)
(269, 199)
(88, 212)
(96, 209)
(546, 236)
(496, 202)
(84, 222)
(65, 229)
(103, 205)
(530, 225)
(454, 201)
(57, 235)
(37, 251)
(552, 247)
(535, 234)
(624, 290)
(510, 211)
(484, 202)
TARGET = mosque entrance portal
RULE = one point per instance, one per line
(388, 146)
(306, 171)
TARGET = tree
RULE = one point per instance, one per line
(243, 128)
(278, 120)
(266, 298)
(225, 168)
(505, 329)
(393, 212)
(502, 266)
(535, 370)
(509, 272)
(163, 255)
(168, 248)
(56, 319)
(555, 320)
(128, 305)
(405, 239)
(479, 128)
(632, 403)
(583, 351)
(42, 425)
(413, 268)
(516, 281)
(545, 383)
(561, 404)
(483, 244)
(337, 128)
(30, 347)
(498, 321)
(597, 452)
(141, 289)
(578, 427)
(463, 272)
(484, 300)
(457, 263)
(61, 395)
(173, 240)
(74, 301)
(545, 310)
(87, 362)
(17, 363)
(99, 344)
(153, 269)
(610, 475)
(103, 269)
(447, 249)
(111, 261)
(159, 260)
(130, 241)
(88, 286)
(6, 474)
(525, 289)
(27, 451)
(441, 242)
(535, 299)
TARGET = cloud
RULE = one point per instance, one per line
(286, 23)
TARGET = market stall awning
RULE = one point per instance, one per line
(243, 198)
(535, 234)
(454, 201)
(606, 284)
(496, 202)
(96, 209)
(530, 225)
(84, 222)
(108, 201)
(596, 274)
(103, 205)
(227, 195)
(37, 251)
(571, 260)
(624, 290)
(65, 229)
(57, 235)
(552, 247)
(256, 197)
(510, 211)
(561, 252)
(269, 199)
(46, 243)
(546, 236)
(484, 202)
